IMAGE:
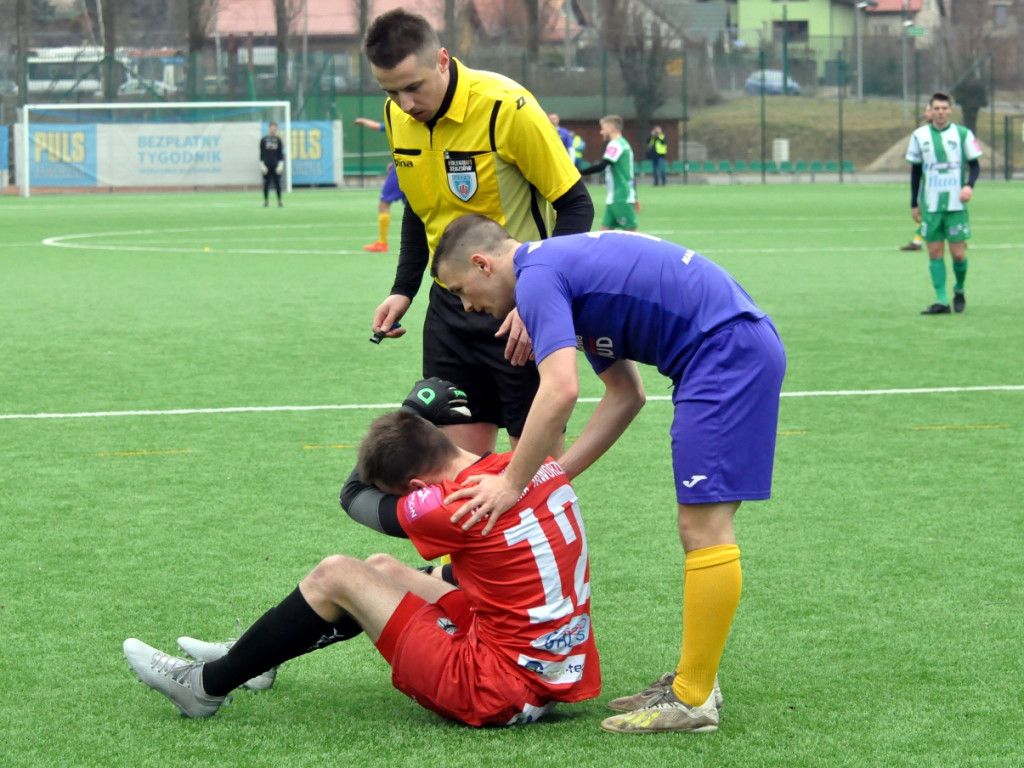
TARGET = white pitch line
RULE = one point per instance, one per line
(832, 249)
(190, 411)
(383, 406)
(74, 241)
(220, 251)
(917, 391)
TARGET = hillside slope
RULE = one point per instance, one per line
(871, 132)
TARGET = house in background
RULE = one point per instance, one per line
(333, 26)
(813, 32)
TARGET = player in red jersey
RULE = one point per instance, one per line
(502, 647)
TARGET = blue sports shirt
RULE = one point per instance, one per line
(624, 295)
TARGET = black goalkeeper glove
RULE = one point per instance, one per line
(438, 401)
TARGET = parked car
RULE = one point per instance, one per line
(772, 82)
(330, 82)
(136, 87)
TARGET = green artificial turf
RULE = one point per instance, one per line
(185, 378)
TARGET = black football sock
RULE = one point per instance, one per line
(290, 629)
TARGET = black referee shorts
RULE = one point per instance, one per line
(460, 346)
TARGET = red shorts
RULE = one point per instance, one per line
(441, 665)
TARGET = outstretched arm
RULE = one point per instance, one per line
(491, 495)
(373, 125)
(622, 400)
(413, 257)
(597, 167)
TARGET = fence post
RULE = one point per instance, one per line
(686, 132)
(764, 126)
(604, 83)
(842, 76)
(1007, 148)
(992, 109)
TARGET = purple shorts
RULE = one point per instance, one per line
(391, 192)
(727, 415)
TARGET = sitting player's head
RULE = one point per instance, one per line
(403, 451)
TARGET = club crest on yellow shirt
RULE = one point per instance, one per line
(462, 178)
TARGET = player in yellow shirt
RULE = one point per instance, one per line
(465, 141)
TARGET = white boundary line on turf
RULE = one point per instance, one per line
(380, 406)
(73, 241)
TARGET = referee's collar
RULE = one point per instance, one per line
(453, 105)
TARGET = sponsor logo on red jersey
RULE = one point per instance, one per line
(423, 501)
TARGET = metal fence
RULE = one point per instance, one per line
(780, 111)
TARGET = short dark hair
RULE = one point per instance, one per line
(940, 96)
(469, 232)
(400, 446)
(397, 34)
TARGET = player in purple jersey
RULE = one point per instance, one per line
(624, 298)
(389, 193)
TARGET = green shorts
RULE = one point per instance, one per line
(619, 216)
(952, 226)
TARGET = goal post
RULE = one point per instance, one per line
(147, 145)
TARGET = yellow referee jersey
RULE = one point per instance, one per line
(493, 151)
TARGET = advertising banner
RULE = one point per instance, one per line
(196, 154)
(178, 154)
(62, 155)
(316, 152)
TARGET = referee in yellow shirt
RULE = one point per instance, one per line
(466, 141)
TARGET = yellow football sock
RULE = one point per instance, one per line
(712, 583)
(384, 223)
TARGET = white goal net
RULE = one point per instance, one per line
(159, 145)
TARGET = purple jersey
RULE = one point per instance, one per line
(391, 192)
(624, 295)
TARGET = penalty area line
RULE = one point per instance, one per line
(386, 406)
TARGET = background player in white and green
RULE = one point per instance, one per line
(946, 156)
(622, 204)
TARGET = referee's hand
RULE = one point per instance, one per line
(518, 348)
(390, 311)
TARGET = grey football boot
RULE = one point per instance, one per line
(177, 679)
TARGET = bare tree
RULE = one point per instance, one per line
(284, 12)
(22, 27)
(532, 8)
(364, 23)
(110, 73)
(450, 37)
(198, 21)
(520, 23)
(641, 54)
(966, 38)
